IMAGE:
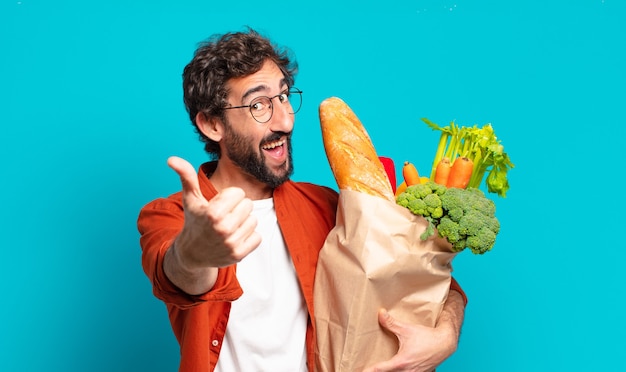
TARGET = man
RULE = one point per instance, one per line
(233, 255)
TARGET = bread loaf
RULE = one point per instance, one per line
(350, 152)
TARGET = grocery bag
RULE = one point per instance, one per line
(372, 259)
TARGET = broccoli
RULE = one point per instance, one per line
(465, 217)
(418, 206)
(482, 241)
(420, 190)
(454, 198)
(437, 188)
(423, 200)
(449, 229)
(471, 221)
(455, 214)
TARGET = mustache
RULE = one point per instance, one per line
(275, 136)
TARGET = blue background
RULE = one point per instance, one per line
(91, 107)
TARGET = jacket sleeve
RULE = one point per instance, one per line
(159, 223)
(454, 285)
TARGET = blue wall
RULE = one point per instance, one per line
(91, 107)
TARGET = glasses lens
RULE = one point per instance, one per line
(295, 99)
(261, 109)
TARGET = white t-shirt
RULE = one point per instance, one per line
(267, 325)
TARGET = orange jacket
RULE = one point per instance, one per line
(306, 214)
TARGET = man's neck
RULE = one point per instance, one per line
(227, 174)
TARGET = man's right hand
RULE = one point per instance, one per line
(216, 233)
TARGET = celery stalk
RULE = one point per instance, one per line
(479, 145)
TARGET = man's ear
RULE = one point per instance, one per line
(210, 126)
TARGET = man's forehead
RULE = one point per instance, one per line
(254, 84)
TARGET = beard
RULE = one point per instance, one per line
(251, 159)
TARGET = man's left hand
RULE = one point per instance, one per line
(423, 348)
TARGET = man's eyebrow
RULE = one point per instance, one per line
(251, 91)
(262, 87)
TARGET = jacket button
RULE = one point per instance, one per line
(215, 342)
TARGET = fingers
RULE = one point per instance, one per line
(230, 212)
(231, 200)
(387, 321)
(420, 348)
(224, 222)
(234, 219)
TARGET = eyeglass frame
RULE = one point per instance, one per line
(290, 91)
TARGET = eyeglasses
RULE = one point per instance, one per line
(262, 108)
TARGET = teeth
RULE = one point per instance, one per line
(272, 145)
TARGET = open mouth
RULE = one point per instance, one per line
(276, 148)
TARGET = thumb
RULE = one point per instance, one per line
(387, 321)
(188, 177)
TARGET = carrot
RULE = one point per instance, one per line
(442, 172)
(409, 172)
(460, 173)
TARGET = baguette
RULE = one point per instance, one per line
(350, 152)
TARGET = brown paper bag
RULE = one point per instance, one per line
(374, 258)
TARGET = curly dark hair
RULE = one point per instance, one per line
(221, 58)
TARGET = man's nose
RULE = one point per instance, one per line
(283, 117)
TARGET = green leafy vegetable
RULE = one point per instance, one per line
(482, 147)
(465, 217)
